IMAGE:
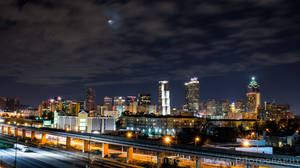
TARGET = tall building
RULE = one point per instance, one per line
(119, 101)
(211, 107)
(107, 103)
(253, 96)
(144, 99)
(130, 99)
(89, 100)
(164, 98)
(192, 94)
(225, 107)
(239, 106)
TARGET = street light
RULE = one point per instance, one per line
(197, 139)
(167, 140)
(129, 134)
(246, 143)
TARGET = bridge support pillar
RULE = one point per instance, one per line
(68, 141)
(24, 133)
(85, 146)
(2, 129)
(16, 132)
(8, 131)
(104, 149)
(32, 135)
(198, 162)
(129, 154)
(158, 162)
(43, 140)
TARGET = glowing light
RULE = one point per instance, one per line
(129, 134)
(197, 139)
(167, 139)
(246, 143)
(110, 21)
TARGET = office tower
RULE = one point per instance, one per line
(253, 96)
(164, 98)
(239, 106)
(211, 107)
(130, 99)
(192, 94)
(225, 107)
(108, 103)
(119, 101)
(144, 99)
(89, 100)
(133, 107)
(202, 108)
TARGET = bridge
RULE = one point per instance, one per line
(250, 160)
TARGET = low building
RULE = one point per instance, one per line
(83, 123)
(160, 125)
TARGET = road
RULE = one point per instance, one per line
(38, 158)
(53, 158)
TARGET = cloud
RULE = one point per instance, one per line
(64, 42)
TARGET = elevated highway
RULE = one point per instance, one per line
(246, 158)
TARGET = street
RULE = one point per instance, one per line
(38, 158)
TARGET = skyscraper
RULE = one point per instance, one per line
(89, 100)
(164, 98)
(108, 103)
(253, 96)
(192, 94)
(144, 99)
(119, 101)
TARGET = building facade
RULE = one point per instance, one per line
(253, 96)
(164, 98)
(83, 123)
(89, 103)
(162, 125)
(192, 95)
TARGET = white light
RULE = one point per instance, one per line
(111, 21)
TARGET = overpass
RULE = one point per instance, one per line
(247, 158)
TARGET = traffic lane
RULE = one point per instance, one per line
(39, 159)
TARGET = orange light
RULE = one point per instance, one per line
(197, 139)
(246, 143)
(167, 140)
(129, 135)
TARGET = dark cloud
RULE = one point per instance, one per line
(47, 42)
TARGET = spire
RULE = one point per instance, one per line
(253, 86)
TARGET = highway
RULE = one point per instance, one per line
(38, 158)
(201, 152)
(53, 158)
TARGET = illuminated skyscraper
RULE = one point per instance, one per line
(253, 96)
(119, 101)
(164, 98)
(144, 99)
(130, 99)
(211, 107)
(108, 103)
(192, 95)
(89, 103)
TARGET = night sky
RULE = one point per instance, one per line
(60, 47)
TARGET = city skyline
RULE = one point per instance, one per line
(248, 90)
(50, 48)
